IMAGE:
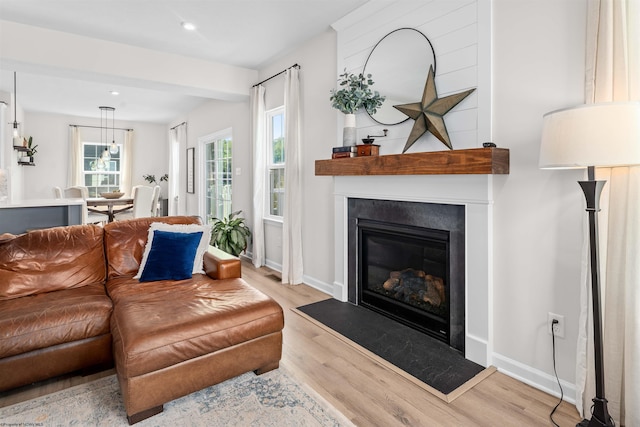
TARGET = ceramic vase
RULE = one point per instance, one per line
(349, 130)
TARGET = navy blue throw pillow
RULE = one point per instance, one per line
(171, 256)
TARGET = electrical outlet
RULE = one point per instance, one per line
(558, 327)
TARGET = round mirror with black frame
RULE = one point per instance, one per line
(399, 64)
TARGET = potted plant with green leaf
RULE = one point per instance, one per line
(26, 155)
(230, 234)
(151, 179)
(355, 93)
(31, 149)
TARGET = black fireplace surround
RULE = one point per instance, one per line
(406, 261)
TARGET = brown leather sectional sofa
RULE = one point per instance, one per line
(68, 301)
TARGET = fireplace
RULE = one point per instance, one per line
(406, 261)
(403, 273)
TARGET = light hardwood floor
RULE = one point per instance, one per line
(368, 393)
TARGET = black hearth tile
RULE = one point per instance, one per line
(427, 359)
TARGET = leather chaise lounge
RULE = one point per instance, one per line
(68, 300)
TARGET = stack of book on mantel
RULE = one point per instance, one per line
(342, 152)
(355, 151)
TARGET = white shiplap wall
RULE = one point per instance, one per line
(460, 32)
(458, 36)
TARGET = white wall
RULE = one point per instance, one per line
(538, 66)
(51, 133)
(212, 117)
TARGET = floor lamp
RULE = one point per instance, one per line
(606, 134)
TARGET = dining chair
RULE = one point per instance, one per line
(89, 217)
(57, 192)
(73, 193)
(154, 200)
(142, 203)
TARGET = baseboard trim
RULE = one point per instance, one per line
(534, 377)
(273, 265)
(307, 280)
(475, 349)
(339, 292)
(318, 284)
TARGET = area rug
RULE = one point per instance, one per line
(271, 399)
(427, 362)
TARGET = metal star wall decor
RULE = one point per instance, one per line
(429, 113)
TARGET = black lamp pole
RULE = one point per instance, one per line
(592, 190)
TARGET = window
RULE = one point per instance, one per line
(100, 176)
(275, 162)
(218, 175)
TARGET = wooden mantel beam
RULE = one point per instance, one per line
(477, 161)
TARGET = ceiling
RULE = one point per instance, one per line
(242, 33)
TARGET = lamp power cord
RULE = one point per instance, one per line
(585, 422)
(553, 343)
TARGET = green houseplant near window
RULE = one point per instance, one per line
(230, 234)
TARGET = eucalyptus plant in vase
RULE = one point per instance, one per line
(354, 93)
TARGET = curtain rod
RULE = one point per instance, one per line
(97, 127)
(179, 124)
(276, 75)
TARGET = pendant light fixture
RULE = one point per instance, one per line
(105, 156)
(113, 149)
(17, 139)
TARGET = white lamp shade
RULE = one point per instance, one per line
(604, 134)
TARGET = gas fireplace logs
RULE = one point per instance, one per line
(415, 285)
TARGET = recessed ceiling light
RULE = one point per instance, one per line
(189, 26)
(114, 92)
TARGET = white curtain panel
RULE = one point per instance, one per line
(127, 162)
(181, 155)
(259, 165)
(74, 174)
(3, 150)
(177, 145)
(173, 171)
(613, 74)
(292, 218)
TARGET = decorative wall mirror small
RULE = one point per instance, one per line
(399, 64)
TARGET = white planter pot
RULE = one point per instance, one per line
(349, 131)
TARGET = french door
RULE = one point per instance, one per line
(217, 182)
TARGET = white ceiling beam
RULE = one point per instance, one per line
(37, 50)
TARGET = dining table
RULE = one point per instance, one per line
(114, 206)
